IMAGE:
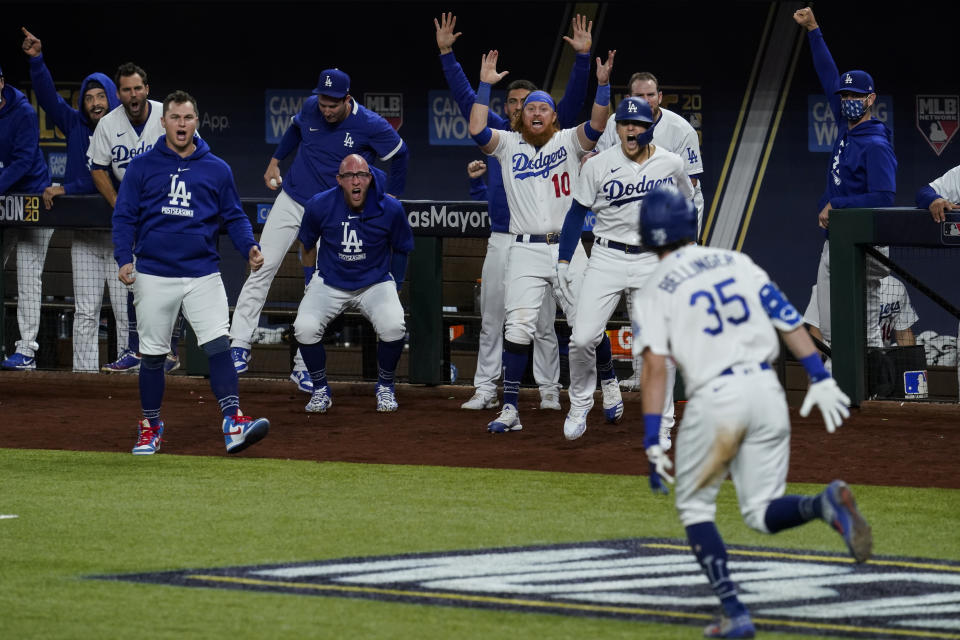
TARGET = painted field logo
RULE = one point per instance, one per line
(637, 579)
(938, 118)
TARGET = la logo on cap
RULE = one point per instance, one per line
(328, 82)
(848, 79)
(632, 108)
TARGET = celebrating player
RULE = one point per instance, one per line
(170, 207)
(538, 163)
(611, 185)
(546, 361)
(364, 240)
(714, 311)
(92, 251)
(863, 168)
(941, 195)
(23, 170)
(121, 135)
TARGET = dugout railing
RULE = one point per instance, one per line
(922, 254)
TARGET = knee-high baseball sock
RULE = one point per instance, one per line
(514, 364)
(223, 383)
(605, 358)
(152, 384)
(133, 338)
(315, 359)
(792, 511)
(707, 546)
(388, 356)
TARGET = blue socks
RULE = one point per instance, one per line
(388, 356)
(605, 358)
(708, 547)
(791, 511)
(223, 383)
(152, 384)
(514, 364)
(315, 358)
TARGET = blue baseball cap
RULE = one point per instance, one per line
(634, 110)
(333, 83)
(856, 81)
(539, 96)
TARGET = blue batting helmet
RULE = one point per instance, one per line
(634, 109)
(666, 217)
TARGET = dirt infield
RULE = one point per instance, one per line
(883, 443)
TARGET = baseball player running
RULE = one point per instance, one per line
(611, 184)
(714, 311)
(364, 239)
(169, 210)
(330, 126)
(123, 134)
(538, 164)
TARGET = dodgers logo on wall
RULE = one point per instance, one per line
(938, 118)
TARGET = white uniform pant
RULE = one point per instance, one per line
(157, 301)
(737, 424)
(279, 233)
(609, 273)
(379, 303)
(32, 244)
(93, 264)
(546, 356)
(873, 273)
(532, 276)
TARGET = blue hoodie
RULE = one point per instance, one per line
(357, 249)
(863, 167)
(74, 123)
(22, 167)
(170, 209)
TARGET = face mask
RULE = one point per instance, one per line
(853, 109)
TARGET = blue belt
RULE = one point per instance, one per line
(548, 238)
(619, 246)
(729, 370)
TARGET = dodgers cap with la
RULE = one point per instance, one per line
(856, 81)
(333, 83)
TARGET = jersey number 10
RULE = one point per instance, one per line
(561, 184)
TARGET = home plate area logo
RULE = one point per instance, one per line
(649, 580)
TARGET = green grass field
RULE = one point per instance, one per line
(83, 514)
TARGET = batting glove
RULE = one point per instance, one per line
(833, 403)
(660, 465)
(565, 284)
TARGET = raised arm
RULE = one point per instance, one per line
(486, 138)
(569, 106)
(589, 132)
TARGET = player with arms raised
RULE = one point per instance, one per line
(611, 185)
(717, 314)
(538, 163)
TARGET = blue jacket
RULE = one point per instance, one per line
(22, 167)
(169, 210)
(568, 110)
(321, 147)
(863, 167)
(74, 123)
(356, 249)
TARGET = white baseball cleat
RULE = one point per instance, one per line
(480, 401)
(550, 400)
(575, 423)
(508, 420)
(612, 401)
(320, 401)
(631, 384)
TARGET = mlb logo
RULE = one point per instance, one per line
(263, 210)
(937, 119)
(915, 384)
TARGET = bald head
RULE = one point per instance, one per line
(354, 179)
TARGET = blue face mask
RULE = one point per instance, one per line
(646, 137)
(853, 108)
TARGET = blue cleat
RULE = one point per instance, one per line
(19, 362)
(612, 401)
(241, 359)
(148, 438)
(508, 420)
(128, 362)
(240, 431)
(840, 512)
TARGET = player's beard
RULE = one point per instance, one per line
(535, 139)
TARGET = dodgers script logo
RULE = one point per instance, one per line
(617, 193)
(122, 154)
(541, 166)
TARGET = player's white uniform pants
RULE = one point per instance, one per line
(93, 264)
(609, 272)
(379, 303)
(874, 272)
(736, 423)
(546, 356)
(32, 246)
(157, 300)
(532, 276)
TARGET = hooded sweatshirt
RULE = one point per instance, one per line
(74, 123)
(169, 211)
(22, 167)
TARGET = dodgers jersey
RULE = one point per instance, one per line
(946, 186)
(115, 142)
(355, 248)
(711, 309)
(612, 186)
(170, 209)
(323, 146)
(538, 182)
